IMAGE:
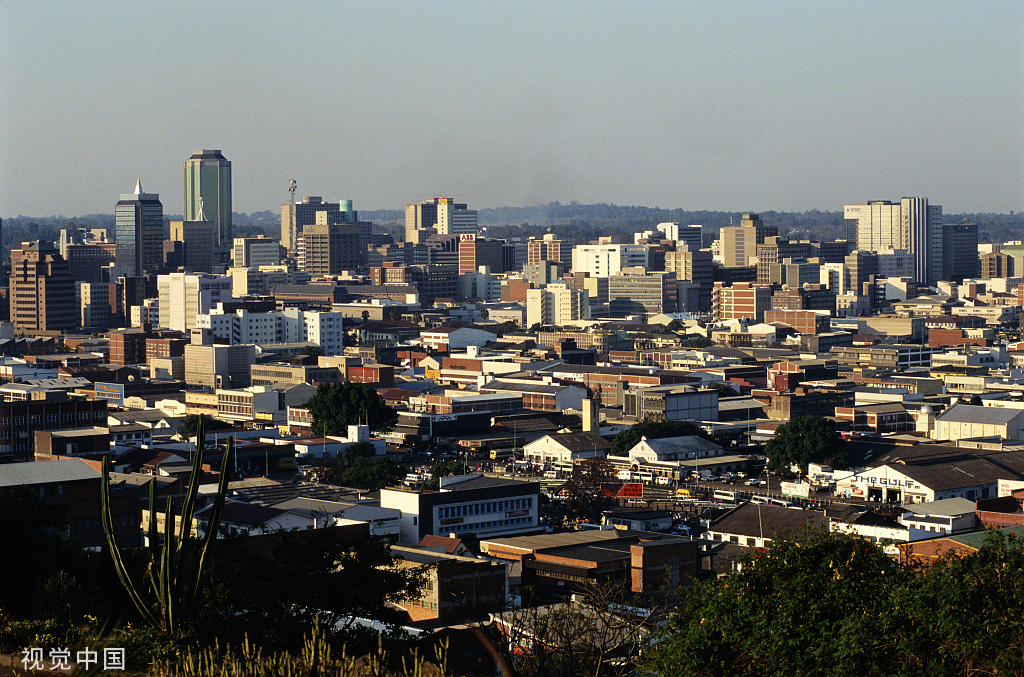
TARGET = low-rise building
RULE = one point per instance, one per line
(457, 589)
(671, 403)
(644, 561)
(466, 504)
(567, 448)
(756, 526)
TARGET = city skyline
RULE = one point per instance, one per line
(730, 108)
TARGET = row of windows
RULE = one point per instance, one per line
(485, 508)
(488, 525)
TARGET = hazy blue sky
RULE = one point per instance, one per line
(713, 105)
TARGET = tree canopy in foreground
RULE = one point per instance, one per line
(838, 606)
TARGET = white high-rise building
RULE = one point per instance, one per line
(326, 329)
(910, 224)
(183, 296)
(605, 260)
(834, 276)
(556, 305)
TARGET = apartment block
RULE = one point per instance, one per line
(740, 300)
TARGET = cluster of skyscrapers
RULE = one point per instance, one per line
(446, 255)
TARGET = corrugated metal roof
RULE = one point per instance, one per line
(45, 472)
(965, 413)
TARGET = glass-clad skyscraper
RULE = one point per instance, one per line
(208, 179)
(139, 232)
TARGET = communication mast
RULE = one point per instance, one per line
(291, 244)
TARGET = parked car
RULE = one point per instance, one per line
(752, 482)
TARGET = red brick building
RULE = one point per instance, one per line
(740, 300)
(803, 321)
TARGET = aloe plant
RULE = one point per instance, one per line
(175, 584)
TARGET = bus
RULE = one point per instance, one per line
(563, 469)
(722, 495)
(501, 454)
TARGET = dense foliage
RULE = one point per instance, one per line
(358, 466)
(839, 606)
(339, 405)
(653, 430)
(803, 440)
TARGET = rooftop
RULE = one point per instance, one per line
(949, 507)
(45, 472)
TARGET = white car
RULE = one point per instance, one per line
(753, 482)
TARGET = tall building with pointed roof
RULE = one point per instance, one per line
(208, 187)
(139, 232)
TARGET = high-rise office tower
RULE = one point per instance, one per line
(327, 248)
(960, 251)
(139, 232)
(441, 216)
(42, 291)
(923, 223)
(911, 224)
(296, 216)
(208, 189)
(739, 243)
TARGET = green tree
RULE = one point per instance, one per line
(358, 466)
(964, 615)
(809, 609)
(339, 405)
(484, 314)
(838, 606)
(803, 440)
(975, 401)
(584, 487)
(444, 469)
(653, 430)
(366, 316)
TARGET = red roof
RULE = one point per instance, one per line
(450, 545)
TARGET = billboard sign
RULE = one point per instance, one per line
(112, 392)
(622, 490)
(467, 237)
(795, 489)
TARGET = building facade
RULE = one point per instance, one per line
(208, 192)
(139, 232)
(42, 291)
